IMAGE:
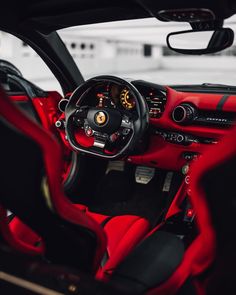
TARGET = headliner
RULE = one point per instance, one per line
(50, 15)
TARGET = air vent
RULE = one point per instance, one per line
(189, 115)
(184, 113)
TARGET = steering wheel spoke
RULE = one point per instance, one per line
(99, 142)
(81, 112)
(79, 116)
(127, 122)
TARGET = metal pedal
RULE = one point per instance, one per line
(115, 166)
(144, 174)
(167, 182)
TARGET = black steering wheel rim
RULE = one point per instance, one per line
(138, 127)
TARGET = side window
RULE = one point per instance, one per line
(28, 62)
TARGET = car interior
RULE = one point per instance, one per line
(116, 185)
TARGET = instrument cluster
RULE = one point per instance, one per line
(117, 96)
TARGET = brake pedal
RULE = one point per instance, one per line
(144, 174)
(115, 166)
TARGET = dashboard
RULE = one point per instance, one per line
(183, 122)
(188, 120)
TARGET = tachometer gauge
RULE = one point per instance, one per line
(126, 99)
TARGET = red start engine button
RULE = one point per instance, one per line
(89, 131)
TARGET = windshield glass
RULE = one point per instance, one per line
(137, 49)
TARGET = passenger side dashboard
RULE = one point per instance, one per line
(206, 117)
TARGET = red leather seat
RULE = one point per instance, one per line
(123, 234)
(42, 197)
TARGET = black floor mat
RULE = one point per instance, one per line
(117, 193)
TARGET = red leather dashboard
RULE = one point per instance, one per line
(160, 152)
(170, 156)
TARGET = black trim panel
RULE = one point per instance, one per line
(222, 101)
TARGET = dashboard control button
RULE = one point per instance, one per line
(187, 179)
(180, 138)
(60, 124)
(185, 169)
(188, 156)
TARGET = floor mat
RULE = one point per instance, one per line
(117, 193)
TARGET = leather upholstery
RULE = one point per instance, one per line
(33, 155)
(123, 234)
(151, 263)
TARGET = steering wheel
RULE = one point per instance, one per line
(101, 127)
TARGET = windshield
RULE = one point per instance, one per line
(137, 49)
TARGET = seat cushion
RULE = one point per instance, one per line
(123, 234)
(159, 255)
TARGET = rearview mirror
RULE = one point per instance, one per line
(200, 42)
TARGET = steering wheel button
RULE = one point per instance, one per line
(114, 137)
(126, 131)
(89, 131)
